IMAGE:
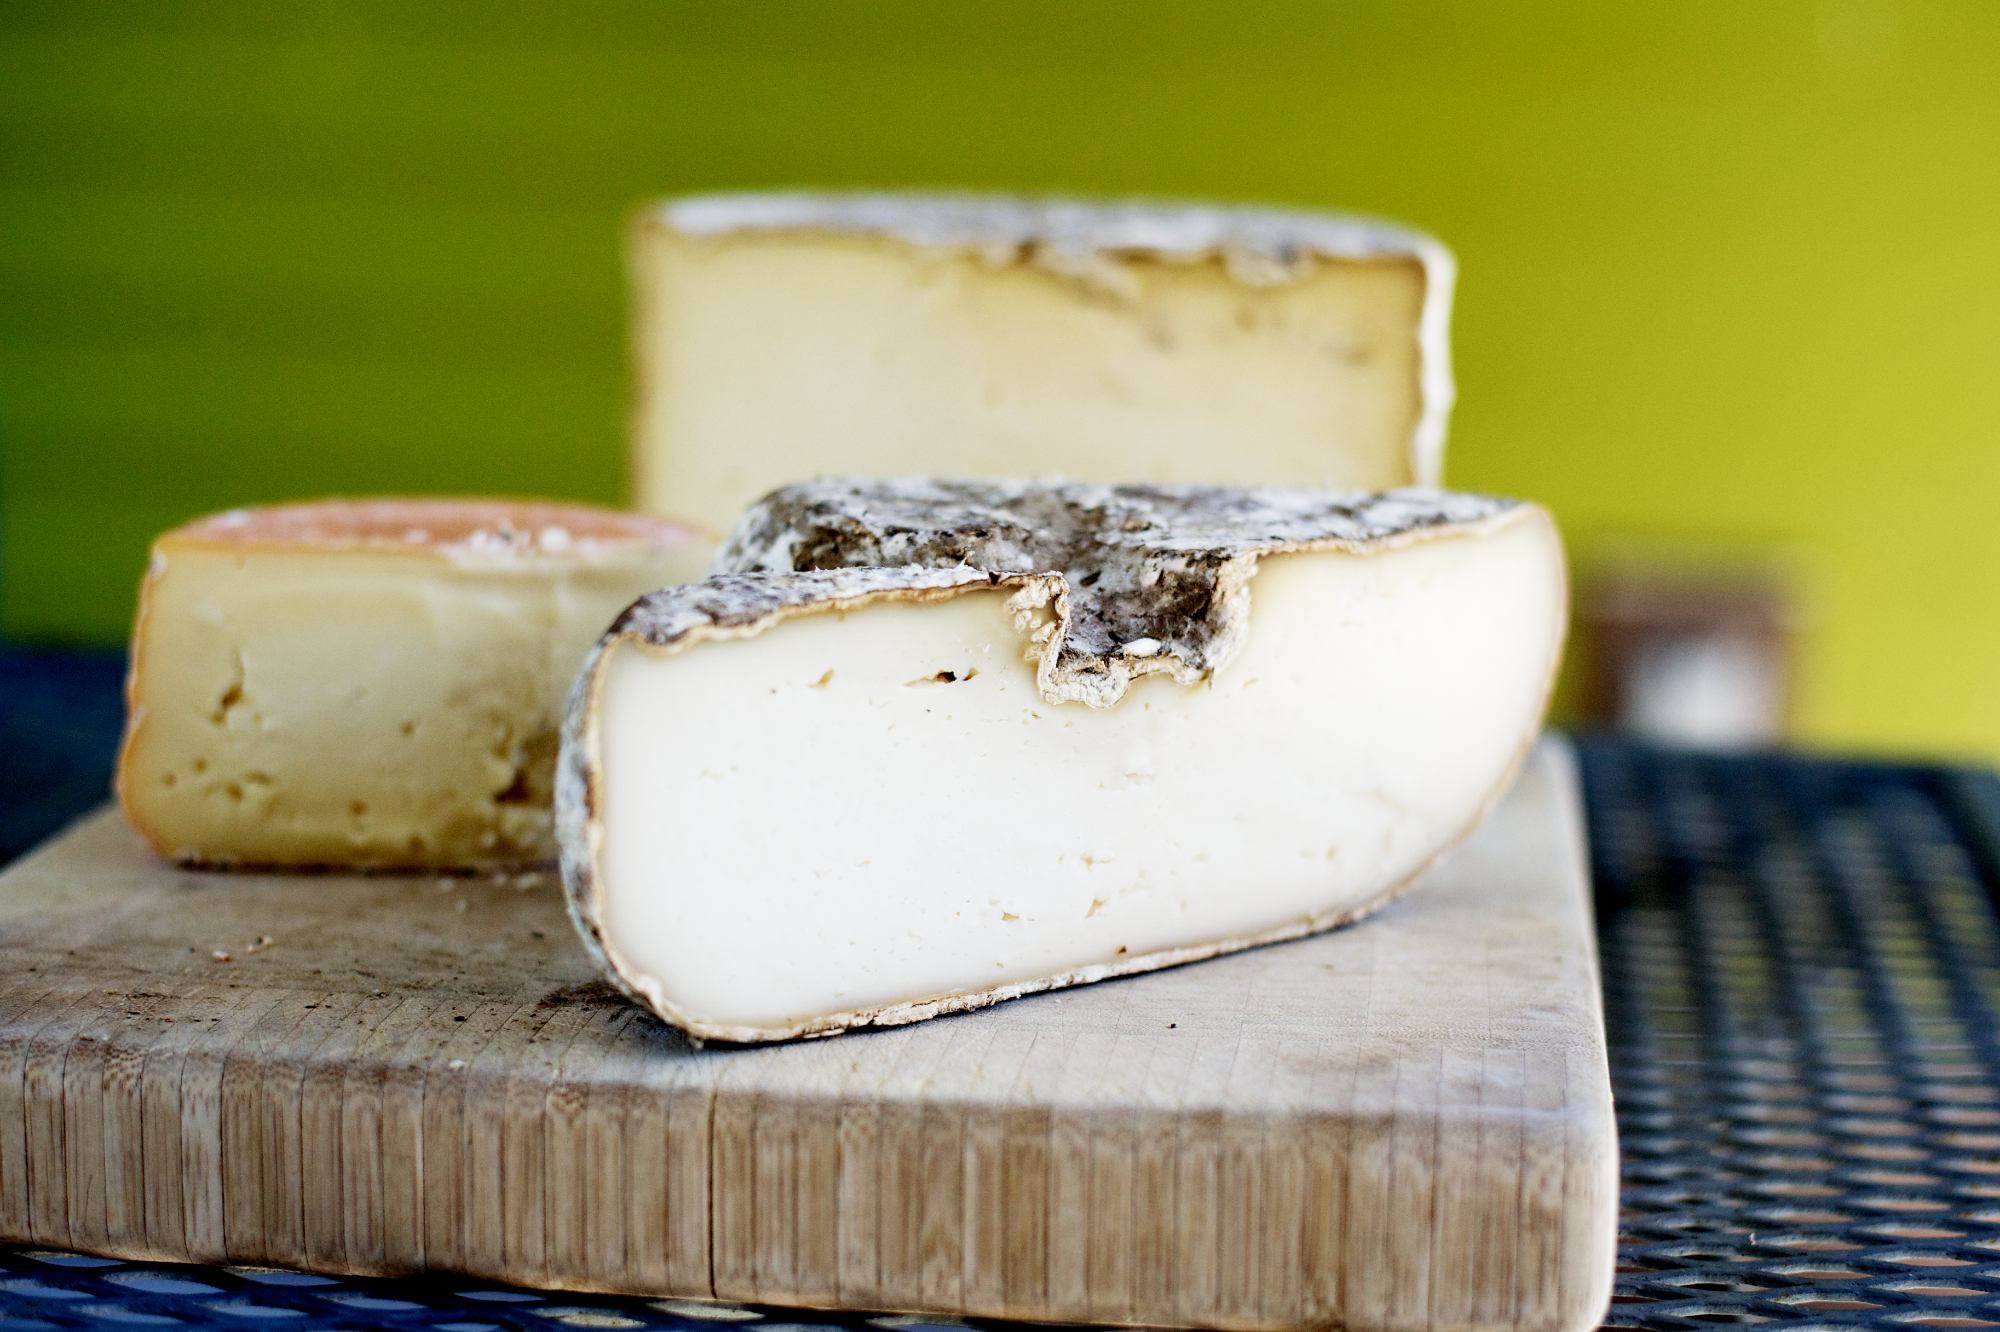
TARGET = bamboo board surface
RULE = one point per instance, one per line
(1405, 1124)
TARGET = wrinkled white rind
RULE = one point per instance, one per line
(1153, 578)
(575, 821)
(1090, 240)
(1270, 245)
(741, 603)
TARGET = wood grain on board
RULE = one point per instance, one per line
(1405, 1124)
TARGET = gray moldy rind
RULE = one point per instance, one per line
(1094, 242)
(1146, 579)
(1263, 246)
(727, 605)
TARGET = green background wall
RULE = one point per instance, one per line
(1731, 270)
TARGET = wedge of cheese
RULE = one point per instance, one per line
(783, 336)
(372, 682)
(947, 743)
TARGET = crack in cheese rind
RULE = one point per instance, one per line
(796, 803)
(1153, 578)
(778, 334)
(372, 683)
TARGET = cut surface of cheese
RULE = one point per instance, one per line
(782, 336)
(792, 803)
(372, 682)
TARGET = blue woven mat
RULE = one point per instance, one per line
(59, 718)
(41, 1289)
(1802, 981)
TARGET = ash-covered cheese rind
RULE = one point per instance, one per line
(1155, 577)
(785, 335)
(796, 802)
(735, 605)
(372, 683)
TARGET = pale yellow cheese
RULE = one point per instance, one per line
(782, 337)
(373, 683)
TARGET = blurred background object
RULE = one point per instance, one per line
(1683, 646)
(1727, 269)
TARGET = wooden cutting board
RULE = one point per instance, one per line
(1405, 1124)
